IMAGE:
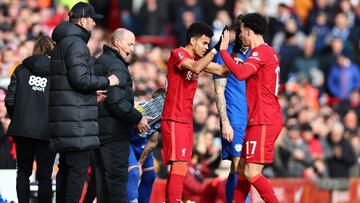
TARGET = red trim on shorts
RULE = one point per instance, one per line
(173, 141)
(262, 147)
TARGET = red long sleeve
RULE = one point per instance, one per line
(241, 71)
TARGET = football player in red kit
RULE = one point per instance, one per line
(261, 72)
(184, 65)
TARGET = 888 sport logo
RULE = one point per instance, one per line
(38, 83)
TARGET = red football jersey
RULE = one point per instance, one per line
(262, 73)
(181, 87)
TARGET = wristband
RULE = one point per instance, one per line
(213, 50)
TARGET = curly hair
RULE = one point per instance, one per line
(197, 30)
(255, 22)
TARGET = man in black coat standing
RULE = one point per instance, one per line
(117, 116)
(72, 104)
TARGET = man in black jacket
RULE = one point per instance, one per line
(117, 116)
(73, 106)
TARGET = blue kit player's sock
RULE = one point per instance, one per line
(145, 188)
(132, 185)
(230, 186)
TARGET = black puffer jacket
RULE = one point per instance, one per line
(73, 108)
(117, 114)
(27, 98)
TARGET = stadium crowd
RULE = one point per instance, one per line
(317, 43)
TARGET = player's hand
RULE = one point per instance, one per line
(143, 125)
(227, 131)
(100, 96)
(225, 40)
(113, 80)
(217, 45)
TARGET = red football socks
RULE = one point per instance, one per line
(264, 188)
(174, 187)
(242, 189)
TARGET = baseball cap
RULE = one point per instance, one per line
(85, 10)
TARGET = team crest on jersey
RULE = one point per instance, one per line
(181, 55)
(255, 54)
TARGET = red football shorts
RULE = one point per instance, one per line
(177, 141)
(259, 143)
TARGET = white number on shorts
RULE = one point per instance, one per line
(251, 144)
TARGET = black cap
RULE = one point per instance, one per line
(85, 10)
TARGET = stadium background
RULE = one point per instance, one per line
(317, 153)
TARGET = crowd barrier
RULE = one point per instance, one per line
(291, 190)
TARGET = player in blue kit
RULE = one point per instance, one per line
(230, 94)
(141, 158)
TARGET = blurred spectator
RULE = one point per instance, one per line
(200, 115)
(7, 144)
(343, 155)
(341, 30)
(328, 60)
(353, 103)
(287, 45)
(343, 78)
(152, 17)
(308, 64)
(313, 143)
(321, 6)
(295, 152)
(319, 31)
(302, 8)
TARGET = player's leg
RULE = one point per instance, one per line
(147, 180)
(243, 185)
(133, 178)
(260, 150)
(226, 154)
(178, 139)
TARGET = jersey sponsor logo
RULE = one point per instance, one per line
(238, 147)
(255, 55)
(37, 83)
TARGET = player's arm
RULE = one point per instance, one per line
(227, 131)
(217, 69)
(199, 65)
(241, 71)
(150, 145)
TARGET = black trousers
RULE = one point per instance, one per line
(28, 150)
(73, 167)
(112, 162)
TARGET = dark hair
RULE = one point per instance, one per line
(256, 22)
(197, 30)
(43, 45)
(236, 23)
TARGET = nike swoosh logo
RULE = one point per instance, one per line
(248, 157)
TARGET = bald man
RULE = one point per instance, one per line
(117, 116)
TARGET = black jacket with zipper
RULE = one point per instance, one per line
(27, 99)
(117, 115)
(73, 110)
